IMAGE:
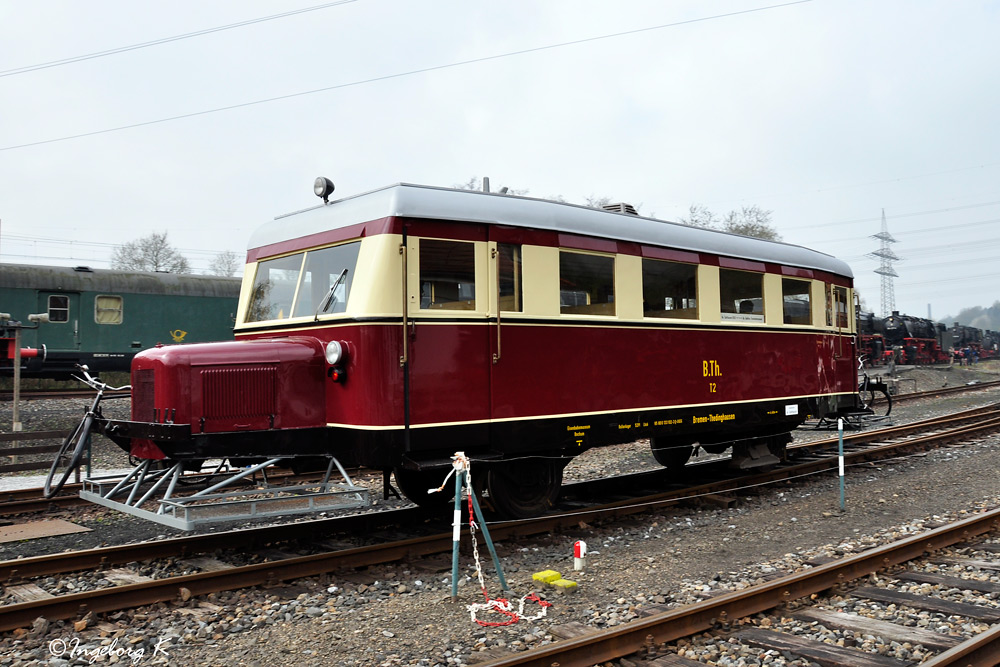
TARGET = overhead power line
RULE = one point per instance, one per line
(165, 40)
(397, 75)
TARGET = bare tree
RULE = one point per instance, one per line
(226, 263)
(476, 183)
(150, 253)
(751, 221)
(699, 216)
(748, 221)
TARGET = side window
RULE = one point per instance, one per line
(509, 268)
(447, 275)
(836, 306)
(274, 289)
(797, 308)
(669, 289)
(586, 284)
(742, 295)
(58, 308)
(108, 309)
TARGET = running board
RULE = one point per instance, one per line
(139, 493)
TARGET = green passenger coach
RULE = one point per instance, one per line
(102, 318)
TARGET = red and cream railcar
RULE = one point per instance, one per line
(393, 328)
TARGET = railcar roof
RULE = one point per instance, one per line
(70, 279)
(422, 201)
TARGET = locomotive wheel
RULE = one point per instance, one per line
(68, 458)
(414, 484)
(670, 456)
(524, 489)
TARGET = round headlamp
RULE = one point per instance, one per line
(323, 187)
(334, 352)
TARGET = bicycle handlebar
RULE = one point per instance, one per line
(97, 383)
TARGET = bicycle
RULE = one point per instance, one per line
(869, 390)
(70, 454)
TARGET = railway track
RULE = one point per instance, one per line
(7, 395)
(709, 478)
(15, 502)
(754, 616)
(944, 391)
(30, 500)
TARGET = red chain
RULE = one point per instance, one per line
(499, 605)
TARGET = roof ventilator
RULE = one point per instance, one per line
(620, 207)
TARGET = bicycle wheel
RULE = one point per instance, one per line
(68, 458)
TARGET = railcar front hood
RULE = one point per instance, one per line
(265, 383)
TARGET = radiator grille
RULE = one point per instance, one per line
(236, 392)
(142, 395)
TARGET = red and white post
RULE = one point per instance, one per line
(579, 555)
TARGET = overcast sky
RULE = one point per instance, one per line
(825, 112)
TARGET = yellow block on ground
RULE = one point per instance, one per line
(546, 576)
(564, 585)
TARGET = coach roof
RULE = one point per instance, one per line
(85, 279)
(421, 201)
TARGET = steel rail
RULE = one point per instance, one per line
(675, 624)
(23, 501)
(12, 571)
(7, 395)
(944, 391)
(33, 505)
(901, 429)
(983, 649)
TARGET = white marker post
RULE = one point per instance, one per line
(840, 456)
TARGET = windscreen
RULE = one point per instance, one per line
(306, 284)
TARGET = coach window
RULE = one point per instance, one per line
(669, 289)
(108, 309)
(836, 304)
(58, 308)
(447, 275)
(509, 268)
(586, 284)
(797, 308)
(742, 295)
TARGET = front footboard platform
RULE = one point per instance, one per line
(186, 501)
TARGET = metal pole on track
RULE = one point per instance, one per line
(456, 533)
(489, 541)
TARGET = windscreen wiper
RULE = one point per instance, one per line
(331, 295)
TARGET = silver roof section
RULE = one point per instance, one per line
(82, 279)
(422, 201)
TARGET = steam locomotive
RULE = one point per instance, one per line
(906, 339)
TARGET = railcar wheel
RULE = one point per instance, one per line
(68, 458)
(414, 484)
(524, 489)
(671, 456)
